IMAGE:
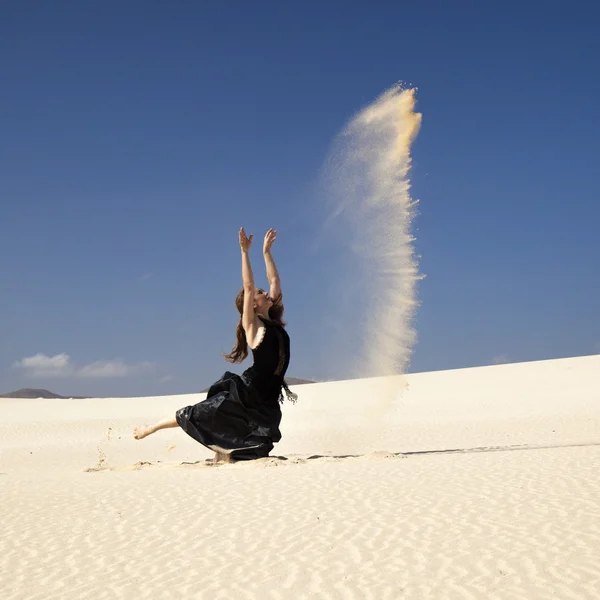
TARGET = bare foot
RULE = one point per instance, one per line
(221, 455)
(222, 458)
(139, 433)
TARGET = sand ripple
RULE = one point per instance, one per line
(464, 525)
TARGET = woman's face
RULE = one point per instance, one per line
(262, 299)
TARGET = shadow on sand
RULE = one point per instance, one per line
(273, 461)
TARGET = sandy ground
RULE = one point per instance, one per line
(476, 484)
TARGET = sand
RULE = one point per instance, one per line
(371, 259)
(475, 483)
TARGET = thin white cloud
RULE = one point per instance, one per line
(40, 364)
(61, 365)
(144, 277)
(111, 368)
(501, 359)
(165, 379)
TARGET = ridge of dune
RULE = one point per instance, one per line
(473, 484)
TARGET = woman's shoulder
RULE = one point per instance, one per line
(271, 323)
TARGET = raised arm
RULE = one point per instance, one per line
(248, 316)
(272, 274)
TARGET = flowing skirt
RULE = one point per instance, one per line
(234, 419)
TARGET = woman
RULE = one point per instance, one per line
(241, 414)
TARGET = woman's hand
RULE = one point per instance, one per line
(245, 241)
(270, 237)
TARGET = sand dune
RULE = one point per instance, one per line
(475, 483)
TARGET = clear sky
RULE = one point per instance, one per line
(136, 137)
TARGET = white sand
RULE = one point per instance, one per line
(509, 507)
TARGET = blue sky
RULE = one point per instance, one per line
(137, 137)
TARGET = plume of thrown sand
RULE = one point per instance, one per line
(367, 181)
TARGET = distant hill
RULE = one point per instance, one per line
(289, 381)
(34, 393)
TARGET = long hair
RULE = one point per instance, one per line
(240, 350)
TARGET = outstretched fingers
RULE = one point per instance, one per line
(245, 241)
(270, 237)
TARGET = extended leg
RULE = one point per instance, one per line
(140, 433)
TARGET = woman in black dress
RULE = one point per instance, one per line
(241, 414)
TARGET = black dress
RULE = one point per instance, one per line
(241, 414)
